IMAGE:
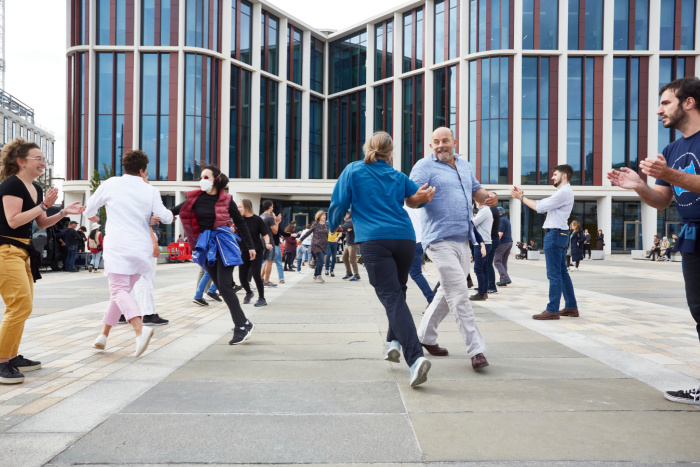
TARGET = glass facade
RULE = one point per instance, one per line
(317, 47)
(585, 24)
(80, 22)
(677, 25)
(201, 135)
(241, 30)
(489, 25)
(294, 54)
(629, 96)
(580, 131)
(155, 112)
(490, 118)
(446, 98)
(384, 50)
(539, 132)
(203, 24)
(346, 131)
(631, 25)
(411, 122)
(240, 133)
(540, 24)
(315, 138)
(383, 104)
(112, 27)
(269, 92)
(159, 19)
(671, 68)
(269, 42)
(78, 86)
(348, 62)
(446, 38)
(293, 143)
(412, 40)
(110, 108)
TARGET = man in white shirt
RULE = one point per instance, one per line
(556, 241)
(128, 248)
(483, 221)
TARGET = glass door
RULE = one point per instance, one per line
(632, 236)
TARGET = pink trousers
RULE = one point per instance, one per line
(121, 302)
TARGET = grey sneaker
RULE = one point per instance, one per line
(419, 371)
(393, 352)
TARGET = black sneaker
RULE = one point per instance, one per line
(24, 364)
(249, 327)
(154, 320)
(347, 276)
(269, 284)
(237, 288)
(9, 374)
(214, 296)
(122, 319)
(261, 302)
(332, 275)
(326, 272)
(239, 336)
(686, 396)
(200, 302)
(248, 297)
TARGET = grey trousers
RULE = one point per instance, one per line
(452, 260)
(500, 260)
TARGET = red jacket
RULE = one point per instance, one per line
(189, 219)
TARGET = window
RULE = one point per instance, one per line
(14, 130)
(540, 24)
(156, 124)
(631, 25)
(6, 132)
(202, 24)
(241, 30)
(294, 51)
(489, 25)
(293, 145)
(383, 104)
(201, 134)
(346, 131)
(315, 138)
(490, 118)
(677, 25)
(539, 132)
(159, 20)
(446, 30)
(589, 13)
(411, 122)
(269, 91)
(269, 40)
(112, 25)
(672, 68)
(113, 130)
(412, 40)
(384, 50)
(317, 46)
(348, 62)
(240, 135)
(446, 98)
(77, 109)
(80, 22)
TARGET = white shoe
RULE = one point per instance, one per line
(100, 342)
(143, 340)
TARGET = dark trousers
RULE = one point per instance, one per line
(331, 253)
(388, 263)
(480, 269)
(587, 248)
(691, 275)
(289, 260)
(70, 259)
(251, 268)
(222, 276)
(319, 263)
(489, 263)
(416, 273)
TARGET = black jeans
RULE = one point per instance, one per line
(289, 260)
(587, 248)
(691, 275)
(388, 263)
(251, 268)
(223, 279)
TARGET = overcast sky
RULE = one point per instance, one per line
(35, 50)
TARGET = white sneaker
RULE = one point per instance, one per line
(100, 342)
(143, 340)
(320, 280)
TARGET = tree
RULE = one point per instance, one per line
(95, 182)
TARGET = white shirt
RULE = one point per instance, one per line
(483, 221)
(558, 208)
(130, 202)
(414, 214)
(307, 240)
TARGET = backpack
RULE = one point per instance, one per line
(92, 241)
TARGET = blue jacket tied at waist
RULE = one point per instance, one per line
(222, 238)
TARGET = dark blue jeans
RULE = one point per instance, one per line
(331, 252)
(70, 259)
(480, 268)
(319, 263)
(417, 274)
(388, 263)
(691, 275)
(489, 264)
(555, 244)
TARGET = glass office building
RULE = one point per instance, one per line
(283, 107)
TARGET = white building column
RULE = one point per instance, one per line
(428, 76)
(326, 107)
(464, 83)
(562, 85)
(369, 90)
(305, 102)
(255, 94)
(604, 210)
(649, 218)
(517, 116)
(180, 100)
(282, 101)
(515, 216)
(225, 105)
(397, 103)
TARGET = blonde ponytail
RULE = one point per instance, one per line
(380, 145)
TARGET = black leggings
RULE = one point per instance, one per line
(289, 259)
(223, 279)
(251, 268)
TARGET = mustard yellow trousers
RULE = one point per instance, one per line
(17, 291)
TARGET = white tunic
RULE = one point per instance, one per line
(130, 203)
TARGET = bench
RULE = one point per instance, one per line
(676, 257)
(597, 254)
(639, 254)
(533, 255)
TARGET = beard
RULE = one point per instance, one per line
(444, 155)
(557, 183)
(676, 119)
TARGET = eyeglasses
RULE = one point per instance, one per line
(41, 160)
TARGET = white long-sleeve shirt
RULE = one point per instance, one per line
(558, 208)
(414, 214)
(130, 203)
(483, 221)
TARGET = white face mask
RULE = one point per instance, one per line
(206, 185)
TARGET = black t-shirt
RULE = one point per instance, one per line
(257, 228)
(496, 223)
(13, 186)
(270, 222)
(71, 237)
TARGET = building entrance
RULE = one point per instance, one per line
(632, 236)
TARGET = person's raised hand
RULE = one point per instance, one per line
(625, 178)
(516, 192)
(51, 197)
(654, 167)
(491, 200)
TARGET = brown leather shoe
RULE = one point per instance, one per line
(436, 350)
(573, 312)
(546, 315)
(479, 361)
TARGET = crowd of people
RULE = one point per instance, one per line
(429, 211)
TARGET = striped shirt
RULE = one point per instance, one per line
(558, 208)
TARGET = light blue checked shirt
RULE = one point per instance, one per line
(558, 208)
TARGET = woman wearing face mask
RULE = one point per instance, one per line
(206, 210)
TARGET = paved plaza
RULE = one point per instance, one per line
(311, 387)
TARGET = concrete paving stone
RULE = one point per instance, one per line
(360, 350)
(290, 370)
(10, 420)
(302, 328)
(22, 399)
(33, 450)
(309, 338)
(335, 319)
(559, 436)
(127, 438)
(270, 398)
(510, 349)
